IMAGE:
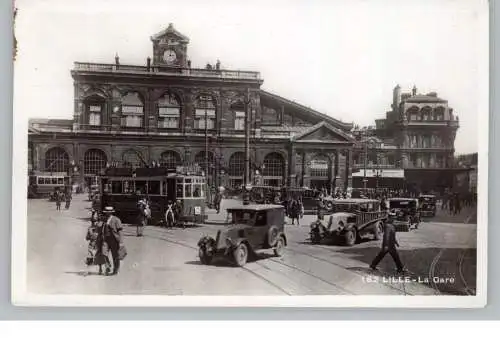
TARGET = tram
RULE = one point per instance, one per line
(45, 184)
(122, 188)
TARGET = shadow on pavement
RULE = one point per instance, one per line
(432, 265)
(84, 273)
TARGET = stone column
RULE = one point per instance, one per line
(348, 180)
(292, 169)
(150, 113)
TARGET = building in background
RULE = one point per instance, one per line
(169, 113)
(412, 147)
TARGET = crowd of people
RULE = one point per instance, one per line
(62, 196)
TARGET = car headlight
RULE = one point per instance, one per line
(229, 242)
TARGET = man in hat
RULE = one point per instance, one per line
(389, 244)
(113, 236)
(142, 217)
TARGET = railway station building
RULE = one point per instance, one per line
(170, 113)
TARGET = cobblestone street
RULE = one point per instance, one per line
(165, 261)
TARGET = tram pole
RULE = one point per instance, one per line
(246, 180)
(206, 141)
(366, 159)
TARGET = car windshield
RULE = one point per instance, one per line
(400, 204)
(345, 207)
(241, 217)
(427, 199)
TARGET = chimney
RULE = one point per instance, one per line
(148, 63)
(414, 90)
(117, 60)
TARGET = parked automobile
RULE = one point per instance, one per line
(406, 212)
(310, 199)
(351, 220)
(427, 205)
(250, 228)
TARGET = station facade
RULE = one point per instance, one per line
(168, 113)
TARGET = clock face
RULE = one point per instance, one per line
(169, 56)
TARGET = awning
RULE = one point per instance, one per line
(384, 173)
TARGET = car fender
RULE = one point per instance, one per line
(284, 238)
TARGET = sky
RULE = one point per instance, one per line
(342, 58)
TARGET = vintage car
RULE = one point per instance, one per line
(406, 213)
(351, 220)
(427, 205)
(310, 199)
(250, 228)
(263, 194)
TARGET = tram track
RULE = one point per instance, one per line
(343, 267)
(277, 261)
(253, 273)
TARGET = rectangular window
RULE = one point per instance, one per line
(95, 109)
(116, 187)
(239, 120)
(154, 187)
(95, 119)
(132, 121)
(168, 117)
(187, 189)
(199, 121)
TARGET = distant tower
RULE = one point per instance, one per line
(414, 90)
(396, 97)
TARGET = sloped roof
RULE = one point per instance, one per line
(170, 29)
(337, 123)
(322, 124)
(424, 98)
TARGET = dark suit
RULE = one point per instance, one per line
(389, 244)
(113, 238)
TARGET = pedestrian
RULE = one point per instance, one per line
(68, 199)
(389, 244)
(59, 198)
(277, 198)
(177, 208)
(295, 210)
(144, 213)
(218, 199)
(170, 215)
(94, 250)
(112, 239)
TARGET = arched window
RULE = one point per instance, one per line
(238, 109)
(413, 113)
(236, 169)
(131, 159)
(94, 161)
(204, 112)
(170, 159)
(201, 161)
(56, 160)
(169, 111)
(439, 113)
(132, 111)
(426, 113)
(273, 170)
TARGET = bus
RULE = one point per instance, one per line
(45, 184)
(122, 188)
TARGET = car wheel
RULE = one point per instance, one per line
(315, 236)
(240, 254)
(377, 233)
(350, 237)
(205, 258)
(272, 236)
(280, 245)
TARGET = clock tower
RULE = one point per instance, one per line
(170, 48)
